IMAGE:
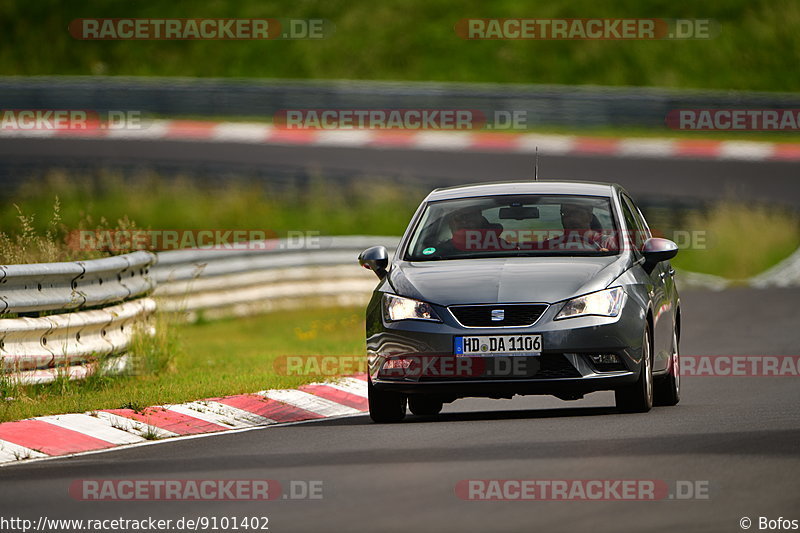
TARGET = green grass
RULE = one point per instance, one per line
(415, 40)
(202, 361)
(106, 201)
(742, 240)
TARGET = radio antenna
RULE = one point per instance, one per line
(536, 166)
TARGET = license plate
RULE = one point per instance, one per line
(499, 344)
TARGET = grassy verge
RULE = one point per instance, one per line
(190, 362)
(415, 40)
(740, 241)
(36, 231)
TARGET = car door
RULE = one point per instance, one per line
(663, 288)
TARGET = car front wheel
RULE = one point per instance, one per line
(384, 406)
(638, 397)
(668, 388)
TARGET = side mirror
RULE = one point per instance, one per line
(375, 259)
(656, 250)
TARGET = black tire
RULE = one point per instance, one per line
(424, 405)
(667, 389)
(638, 397)
(386, 407)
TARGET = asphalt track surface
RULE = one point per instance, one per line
(741, 435)
(652, 178)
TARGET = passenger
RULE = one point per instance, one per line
(472, 232)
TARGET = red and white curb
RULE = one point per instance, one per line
(259, 133)
(59, 435)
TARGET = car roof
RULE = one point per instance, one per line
(588, 188)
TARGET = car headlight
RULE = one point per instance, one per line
(399, 308)
(602, 303)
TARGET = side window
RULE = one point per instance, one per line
(633, 230)
(637, 213)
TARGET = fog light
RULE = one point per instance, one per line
(604, 358)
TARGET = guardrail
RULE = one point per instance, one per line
(550, 105)
(74, 285)
(73, 317)
(268, 276)
(784, 274)
(108, 298)
(38, 350)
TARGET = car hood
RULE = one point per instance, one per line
(507, 280)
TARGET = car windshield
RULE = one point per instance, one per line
(514, 225)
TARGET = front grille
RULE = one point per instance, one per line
(480, 316)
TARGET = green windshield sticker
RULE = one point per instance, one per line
(428, 251)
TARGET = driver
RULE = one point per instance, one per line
(579, 225)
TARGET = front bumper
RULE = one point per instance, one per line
(565, 366)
